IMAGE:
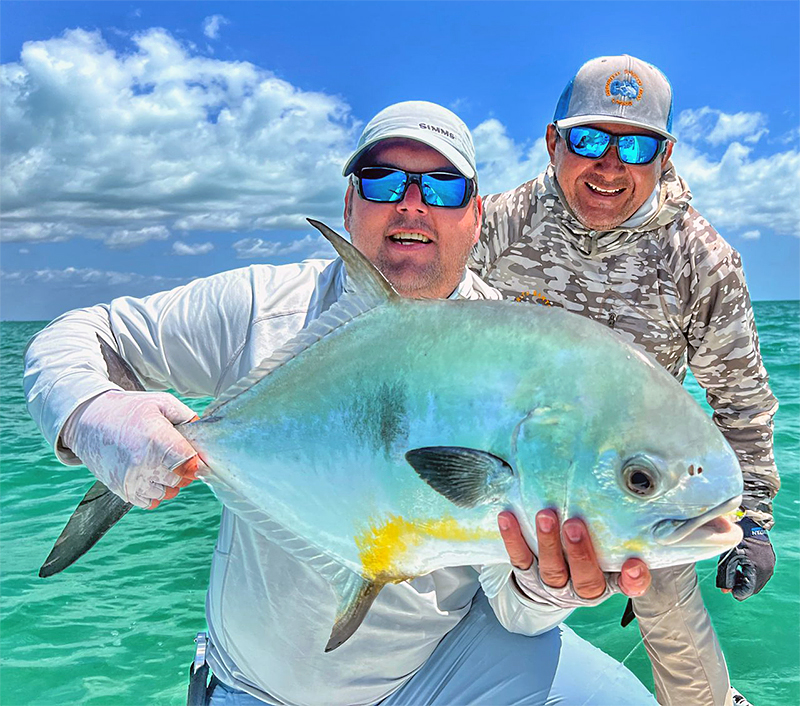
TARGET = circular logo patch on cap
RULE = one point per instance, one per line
(624, 87)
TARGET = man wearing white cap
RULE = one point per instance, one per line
(412, 208)
(607, 232)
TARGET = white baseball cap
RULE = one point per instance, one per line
(425, 122)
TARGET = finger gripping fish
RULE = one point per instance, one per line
(390, 432)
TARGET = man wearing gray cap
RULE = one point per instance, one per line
(412, 208)
(607, 232)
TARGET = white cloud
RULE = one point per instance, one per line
(127, 147)
(736, 191)
(20, 230)
(212, 24)
(740, 193)
(87, 277)
(180, 248)
(460, 105)
(43, 294)
(125, 238)
(24, 251)
(791, 137)
(257, 248)
(502, 163)
(716, 128)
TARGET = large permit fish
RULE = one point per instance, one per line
(390, 432)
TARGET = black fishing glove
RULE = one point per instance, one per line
(747, 568)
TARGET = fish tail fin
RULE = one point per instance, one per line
(97, 513)
(100, 509)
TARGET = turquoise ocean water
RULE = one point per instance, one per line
(117, 627)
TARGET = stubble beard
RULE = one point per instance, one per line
(413, 280)
(587, 215)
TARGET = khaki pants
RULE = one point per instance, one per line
(688, 666)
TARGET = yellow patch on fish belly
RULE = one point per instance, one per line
(634, 545)
(382, 545)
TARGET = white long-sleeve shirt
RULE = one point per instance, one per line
(269, 615)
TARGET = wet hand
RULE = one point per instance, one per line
(568, 565)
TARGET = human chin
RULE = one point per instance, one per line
(602, 213)
(414, 280)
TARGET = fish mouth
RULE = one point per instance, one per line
(710, 528)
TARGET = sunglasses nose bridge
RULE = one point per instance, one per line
(412, 199)
(610, 159)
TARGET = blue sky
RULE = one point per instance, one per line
(147, 143)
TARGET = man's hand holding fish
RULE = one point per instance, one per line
(566, 574)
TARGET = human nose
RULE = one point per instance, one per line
(610, 161)
(412, 201)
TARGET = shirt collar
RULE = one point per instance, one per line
(645, 212)
(462, 291)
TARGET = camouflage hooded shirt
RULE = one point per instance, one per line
(671, 287)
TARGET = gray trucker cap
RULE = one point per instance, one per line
(424, 122)
(617, 89)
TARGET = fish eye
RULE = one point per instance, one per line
(640, 479)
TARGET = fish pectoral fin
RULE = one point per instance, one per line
(355, 598)
(466, 477)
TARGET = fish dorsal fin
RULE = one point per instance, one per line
(466, 477)
(362, 273)
(370, 289)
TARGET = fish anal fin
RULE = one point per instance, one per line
(467, 477)
(356, 597)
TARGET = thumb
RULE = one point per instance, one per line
(175, 449)
(176, 452)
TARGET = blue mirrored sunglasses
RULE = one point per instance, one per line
(593, 143)
(388, 185)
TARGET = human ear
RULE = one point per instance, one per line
(551, 137)
(348, 206)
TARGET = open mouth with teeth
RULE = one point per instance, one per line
(409, 239)
(604, 192)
